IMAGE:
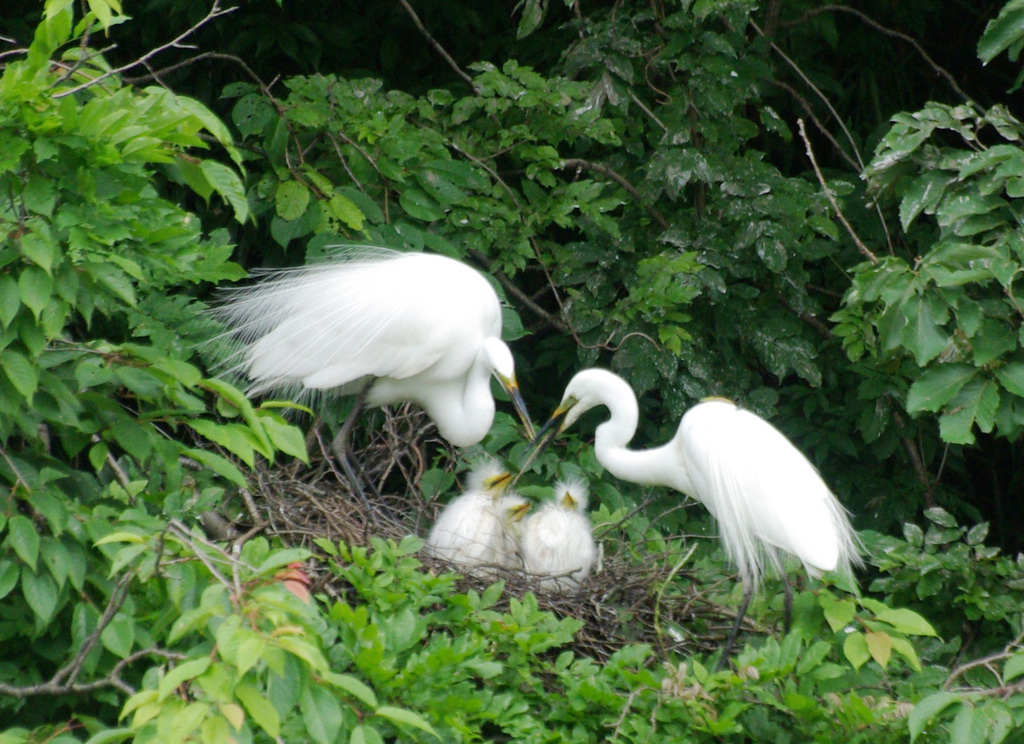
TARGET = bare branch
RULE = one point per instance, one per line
(437, 47)
(888, 32)
(604, 170)
(215, 12)
(865, 251)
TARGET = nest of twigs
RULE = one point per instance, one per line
(653, 600)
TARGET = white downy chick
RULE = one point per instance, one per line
(473, 530)
(557, 541)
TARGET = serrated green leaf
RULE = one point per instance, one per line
(923, 335)
(10, 300)
(926, 710)
(937, 385)
(922, 195)
(291, 200)
(855, 649)
(879, 645)
(906, 621)
(353, 687)
(1014, 666)
(1011, 376)
(320, 712)
(182, 672)
(975, 405)
(417, 204)
(408, 717)
(24, 538)
(35, 289)
(1003, 32)
(40, 592)
(260, 709)
(21, 372)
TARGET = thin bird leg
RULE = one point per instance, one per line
(748, 592)
(341, 445)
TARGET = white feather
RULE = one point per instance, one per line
(557, 542)
(765, 495)
(427, 328)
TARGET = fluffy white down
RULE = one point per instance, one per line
(477, 528)
(557, 541)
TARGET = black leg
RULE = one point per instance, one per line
(341, 445)
(748, 593)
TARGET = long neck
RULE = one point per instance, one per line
(659, 466)
(463, 409)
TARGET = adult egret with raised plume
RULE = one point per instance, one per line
(392, 326)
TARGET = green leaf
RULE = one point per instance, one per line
(40, 592)
(184, 671)
(1012, 377)
(1006, 30)
(21, 372)
(1014, 667)
(926, 710)
(220, 465)
(320, 712)
(227, 183)
(24, 538)
(975, 404)
(9, 571)
(937, 385)
(291, 200)
(969, 727)
(838, 614)
(363, 734)
(855, 649)
(922, 195)
(353, 687)
(408, 717)
(417, 204)
(905, 649)
(10, 300)
(879, 645)
(923, 335)
(35, 289)
(906, 621)
(260, 709)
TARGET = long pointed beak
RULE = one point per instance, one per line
(512, 388)
(543, 438)
(516, 513)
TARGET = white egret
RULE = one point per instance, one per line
(760, 488)
(557, 541)
(391, 326)
(477, 528)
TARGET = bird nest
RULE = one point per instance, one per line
(648, 598)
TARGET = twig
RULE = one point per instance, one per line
(122, 477)
(578, 163)
(437, 47)
(888, 32)
(807, 81)
(864, 250)
(215, 12)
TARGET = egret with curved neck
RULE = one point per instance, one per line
(765, 495)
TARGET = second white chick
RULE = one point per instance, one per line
(557, 541)
(476, 528)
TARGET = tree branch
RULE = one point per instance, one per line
(215, 12)
(865, 251)
(437, 47)
(579, 164)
